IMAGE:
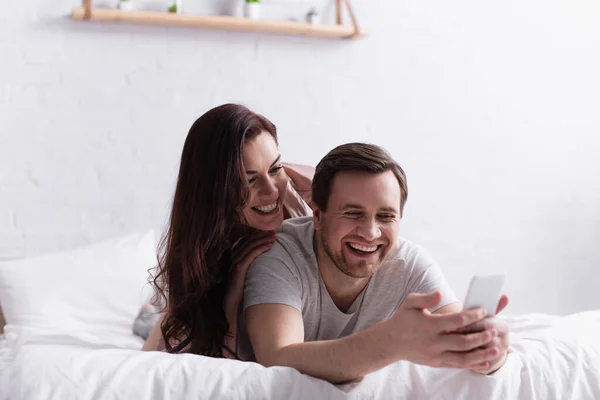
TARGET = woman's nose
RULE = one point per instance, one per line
(268, 188)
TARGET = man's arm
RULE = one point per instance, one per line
(276, 332)
(277, 335)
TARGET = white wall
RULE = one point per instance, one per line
(491, 107)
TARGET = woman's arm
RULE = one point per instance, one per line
(245, 252)
(298, 197)
(155, 341)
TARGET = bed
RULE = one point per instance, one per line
(75, 342)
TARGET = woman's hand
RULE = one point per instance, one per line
(245, 252)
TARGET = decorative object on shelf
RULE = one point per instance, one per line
(313, 17)
(125, 5)
(329, 31)
(252, 9)
(175, 7)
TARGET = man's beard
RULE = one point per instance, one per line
(342, 264)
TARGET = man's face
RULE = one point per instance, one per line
(360, 226)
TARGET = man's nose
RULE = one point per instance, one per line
(369, 230)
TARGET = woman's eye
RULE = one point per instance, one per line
(276, 169)
(251, 180)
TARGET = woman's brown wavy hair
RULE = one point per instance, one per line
(194, 262)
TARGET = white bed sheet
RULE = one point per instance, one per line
(553, 358)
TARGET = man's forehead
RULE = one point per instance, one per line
(352, 180)
(366, 190)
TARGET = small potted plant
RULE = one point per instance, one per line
(125, 5)
(252, 9)
(175, 7)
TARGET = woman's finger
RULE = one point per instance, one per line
(242, 265)
(243, 253)
(244, 249)
(235, 291)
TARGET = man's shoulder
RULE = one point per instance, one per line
(406, 250)
(280, 275)
(297, 233)
(293, 242)
(408, 258)
(296, 225)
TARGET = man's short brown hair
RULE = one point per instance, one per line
(354, 157)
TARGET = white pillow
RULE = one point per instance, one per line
(95, 289)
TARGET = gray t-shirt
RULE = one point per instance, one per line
(289, 274)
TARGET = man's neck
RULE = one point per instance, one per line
(343, 289)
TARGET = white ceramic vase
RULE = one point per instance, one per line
(125, 5)
(252, 10)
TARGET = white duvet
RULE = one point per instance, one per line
(552, 358)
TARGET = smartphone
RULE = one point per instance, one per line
(485, 291)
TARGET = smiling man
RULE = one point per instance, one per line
(341, 295)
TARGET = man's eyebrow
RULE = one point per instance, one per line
(350, 205)
(359, 207)
(250, 172)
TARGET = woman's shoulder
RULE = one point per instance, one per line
(300, 175)
(299, 188)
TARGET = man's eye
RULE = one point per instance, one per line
(354, 214)
(387, 217)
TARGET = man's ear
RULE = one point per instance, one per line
(316, 214)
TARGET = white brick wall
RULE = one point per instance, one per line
(492, 108)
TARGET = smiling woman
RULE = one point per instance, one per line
(267, 182)
(232, 192)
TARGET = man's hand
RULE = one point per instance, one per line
(500, 342)
(433, 339)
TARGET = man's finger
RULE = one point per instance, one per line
(455, 321)
(421, 301)
(481, 368)
(502, 303)
(482, 325)
(487, 323)
(469, 359)
(466, 342)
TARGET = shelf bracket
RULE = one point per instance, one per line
(87, 6)
(338, 16)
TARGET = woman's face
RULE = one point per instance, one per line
(267, 182)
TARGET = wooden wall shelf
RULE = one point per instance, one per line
(219, 22)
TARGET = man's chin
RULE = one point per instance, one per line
(360, 271)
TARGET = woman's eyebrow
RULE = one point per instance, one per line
(250, 172)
